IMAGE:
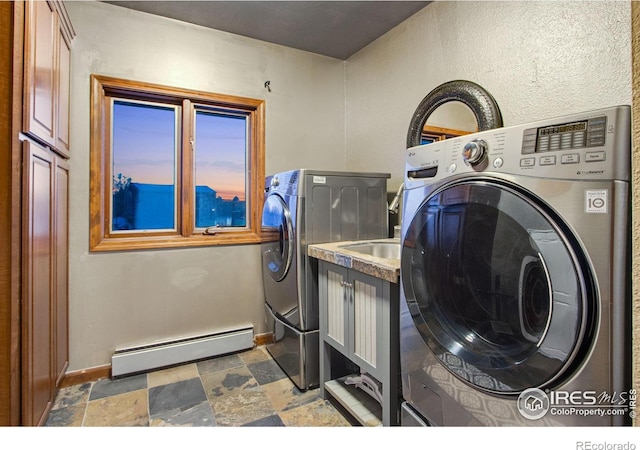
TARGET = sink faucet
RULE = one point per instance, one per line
(395, 203)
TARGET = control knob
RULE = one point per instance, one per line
(275, 182)
(475, 152)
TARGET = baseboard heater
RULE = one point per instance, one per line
(126, 361)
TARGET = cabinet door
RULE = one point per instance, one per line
(37, 385)
(352, 303)
(63, 93)
(60, 268)
(41, 34)
(366, 322)
(337, 304)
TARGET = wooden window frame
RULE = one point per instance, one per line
(100, 237)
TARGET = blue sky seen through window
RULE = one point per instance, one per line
(144, 142)
(221, 164)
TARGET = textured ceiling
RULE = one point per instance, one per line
(332, 28)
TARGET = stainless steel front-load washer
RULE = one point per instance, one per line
(515, 276)
(305, 207)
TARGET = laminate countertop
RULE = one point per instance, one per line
(335, 252)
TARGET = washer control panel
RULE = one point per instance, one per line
(284, 182)
(570, 138)
(567, 136)
(591, 145)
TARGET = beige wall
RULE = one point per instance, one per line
(538, 59)
(130, 298)
(635, 196)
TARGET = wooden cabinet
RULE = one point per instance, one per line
(45, 280)
(60, 261)
(35, 56)
(40, 62)
(359, 320)
(47, 59)
(44, 353)
(63, 85)
(37, 307)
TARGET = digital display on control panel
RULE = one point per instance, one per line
(579, 126)
(566, 136)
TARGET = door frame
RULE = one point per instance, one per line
(11, 77)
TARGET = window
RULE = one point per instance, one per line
(173, 167)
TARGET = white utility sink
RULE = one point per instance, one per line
(378, 249)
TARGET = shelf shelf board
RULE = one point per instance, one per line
(365, 409)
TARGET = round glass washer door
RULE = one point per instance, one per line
(278, 244)
(494, 287)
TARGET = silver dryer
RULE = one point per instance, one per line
(515, 276)
(305, 207)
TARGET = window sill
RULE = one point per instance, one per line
(172, 242)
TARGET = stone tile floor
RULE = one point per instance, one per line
(245, 389)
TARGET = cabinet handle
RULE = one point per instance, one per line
(348, 291)
(348, 288)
